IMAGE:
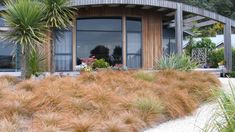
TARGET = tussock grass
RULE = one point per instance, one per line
(10, 79)
(111, 101)
(224, 118)
(146, 76)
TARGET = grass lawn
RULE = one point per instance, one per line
(106, 101)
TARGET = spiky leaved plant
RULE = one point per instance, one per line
(58, 15)
(27, 28)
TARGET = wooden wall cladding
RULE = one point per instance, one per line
(152, 40)
(151, 29)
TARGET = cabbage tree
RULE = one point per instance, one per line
(57, 15)
(27, 28)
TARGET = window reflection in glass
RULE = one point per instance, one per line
(134, 44)
(8, 57)
(101, 38)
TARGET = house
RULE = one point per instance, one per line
(130, 32)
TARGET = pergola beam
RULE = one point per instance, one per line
(198, 25)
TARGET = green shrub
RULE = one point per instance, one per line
(204, 43)
(100, 63)
(176, 62)
(149, 105)
(146, 76)
(225, 120)
(217, 56)
(231, 74)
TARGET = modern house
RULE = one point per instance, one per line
(130, 32)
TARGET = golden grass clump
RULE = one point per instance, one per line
(27, 85)
(10, 79)
(7, 125)
(107, 101)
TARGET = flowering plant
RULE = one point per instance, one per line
(88, 61)
(86, 64)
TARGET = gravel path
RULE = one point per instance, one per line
(195, 122)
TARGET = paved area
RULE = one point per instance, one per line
(195, 122)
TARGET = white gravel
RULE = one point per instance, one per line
(195, 122)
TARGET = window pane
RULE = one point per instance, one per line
(2, 22)
(7, 58)
(133, 61)
(100, 24)
(63, 51)
(133, 24)
(134, 43)
(63, 62)
(63, 42)
(105, 45)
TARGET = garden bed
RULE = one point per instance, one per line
(102, 101)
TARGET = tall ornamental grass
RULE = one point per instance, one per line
(224, 120)
(176, 62)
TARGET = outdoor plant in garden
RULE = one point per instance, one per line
(100, 63)
(35, 62)
(224, 120)
(57, 15)
(25, 19)
(126, 101)
(176, 62)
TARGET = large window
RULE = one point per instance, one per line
(134, 42)
(9, 54)
(9, 57)
(63, 50)
(100, 37)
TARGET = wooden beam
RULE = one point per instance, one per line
(124, 43)
(162, 9)
(170, 14)
(131, 6)
(228, 45)
(146, 7)
(201, 24)
(193, 19)
(179, 28)
(74, 43)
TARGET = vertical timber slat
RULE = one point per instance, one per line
(74, 32)
(124, 40)
(228, 45)
(179, 28)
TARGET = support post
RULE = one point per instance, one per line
(228, 45)
(179, 28)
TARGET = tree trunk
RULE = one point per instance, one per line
(24, 66)
(52, 66)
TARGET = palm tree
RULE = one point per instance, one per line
(58, 15)
(25, 20)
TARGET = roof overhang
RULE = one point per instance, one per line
(157, 3)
